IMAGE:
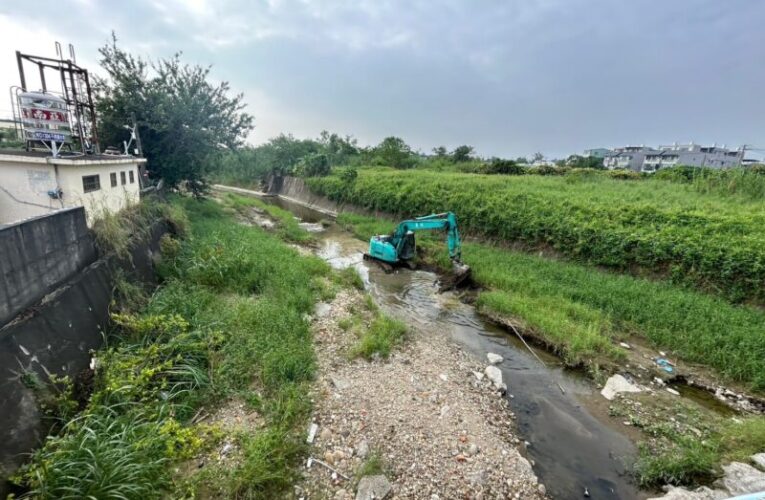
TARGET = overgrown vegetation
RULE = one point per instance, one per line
(686, 444)
(580, 311)
(716, 243)
(288, 226)
(228, 321)
(115, 232)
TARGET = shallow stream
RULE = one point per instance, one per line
(573, 444)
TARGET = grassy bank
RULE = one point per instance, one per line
(712, 241)
(581, 311)
(228, 322)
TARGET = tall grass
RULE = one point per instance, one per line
(581, 311)
(229, 320)
(712, 241)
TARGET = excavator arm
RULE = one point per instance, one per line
(447, 221)
(400, 245)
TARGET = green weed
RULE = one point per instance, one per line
(382, 335)
(713, 241)
(227, 321)
(580, 310)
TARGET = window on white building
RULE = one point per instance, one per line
(113, 179)
(132, 177)
(91, 183)
(122, 177)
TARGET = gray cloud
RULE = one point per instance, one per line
(509, 77)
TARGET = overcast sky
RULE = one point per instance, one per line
(509, 77)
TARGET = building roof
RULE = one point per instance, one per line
(64, 158)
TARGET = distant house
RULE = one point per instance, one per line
(692, 155)
(34, 183)
(596, 152)
(627, 158)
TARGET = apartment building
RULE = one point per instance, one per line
(692, 155)
(627, 158)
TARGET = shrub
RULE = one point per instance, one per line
(625, 175)
(506, 167)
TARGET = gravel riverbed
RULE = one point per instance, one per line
(438, 426)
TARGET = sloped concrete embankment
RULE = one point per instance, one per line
(55, 335)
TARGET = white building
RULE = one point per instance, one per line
(692, 155)
(627, 158)
(33, 184)
(597, 152)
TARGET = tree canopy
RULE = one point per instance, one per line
(183, 118)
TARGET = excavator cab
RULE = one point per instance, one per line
(400, 247)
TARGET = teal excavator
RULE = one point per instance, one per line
(399, 247)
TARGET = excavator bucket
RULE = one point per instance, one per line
(459, 276)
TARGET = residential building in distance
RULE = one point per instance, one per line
(692, 155)
(627, 158)
(34, 183)
(596, 152)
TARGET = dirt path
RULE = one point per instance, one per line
(438, 430)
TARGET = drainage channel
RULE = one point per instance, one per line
(573, 445)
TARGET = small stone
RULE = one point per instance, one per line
(325, 434)
(341, 494)
(494, 359)
(443, 377)
(495, 375)
(542, 489)
(672, 391)
(329, 457)
(625, 345)
(373, 488)
(478, 375)
(473, 449)
(362, 449)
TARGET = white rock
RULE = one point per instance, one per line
(740, 479)
(759, 460)
(373, 488)
(478, 375)
(495, 375)
(443, 377)
(672, 391)
(362, 449)
(617, 384)
(625, 345)
(494, 359)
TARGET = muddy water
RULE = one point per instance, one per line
(572, 443)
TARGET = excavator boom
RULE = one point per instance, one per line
(399, 247)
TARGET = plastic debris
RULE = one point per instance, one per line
(665, 364)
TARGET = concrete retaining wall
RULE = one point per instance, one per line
(40, 253)
(57, 336)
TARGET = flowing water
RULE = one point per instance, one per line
(573, 444)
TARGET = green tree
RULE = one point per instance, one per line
(394, 152)
(577, 161)
(440, 152)
(184, 120)
(314, 165)
(339, 150)
(522, 159)
(462, 154)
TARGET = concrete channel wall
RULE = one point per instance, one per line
(57, 336)
(38, 254)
